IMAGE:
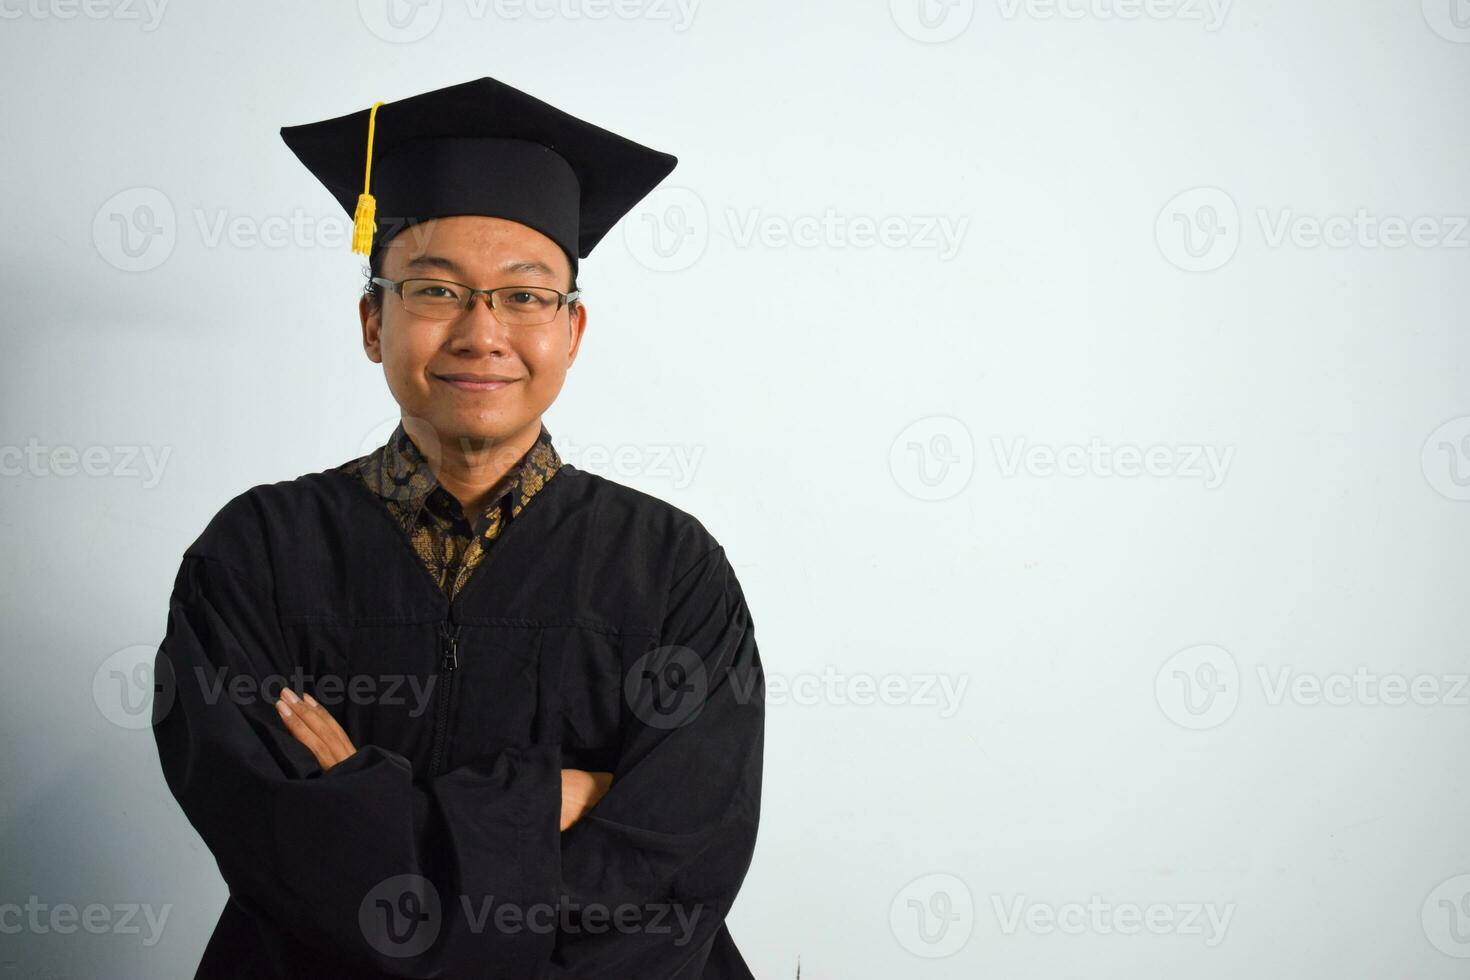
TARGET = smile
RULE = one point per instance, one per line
(464, 383)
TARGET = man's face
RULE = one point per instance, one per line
(422, 357)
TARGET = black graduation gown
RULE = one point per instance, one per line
(605, 630)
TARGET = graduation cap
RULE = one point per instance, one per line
(480, 147)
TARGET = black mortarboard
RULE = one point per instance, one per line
(480, 147)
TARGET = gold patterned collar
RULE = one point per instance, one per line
(400, 473)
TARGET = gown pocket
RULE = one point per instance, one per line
(541, 685)
(495, 690)
(583, 685)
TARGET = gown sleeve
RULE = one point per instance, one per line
(315, 853)
(670, 843)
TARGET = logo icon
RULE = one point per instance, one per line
(666, 687)
(400, 21)
(932, 21)
(1446, 458)
(669, 231)
(135, 230)
(1199, 229)
(134, 687)
(1446, 916)
(401, 915)
(1450, 19)
(933, 915)
(1198, 687)
(933, 458)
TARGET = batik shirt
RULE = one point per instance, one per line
(449, 545)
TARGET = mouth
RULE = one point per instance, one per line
(476, 382)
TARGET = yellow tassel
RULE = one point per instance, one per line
(364, 219)
(364, 224)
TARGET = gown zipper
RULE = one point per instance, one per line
(448, 663)
(449, 658)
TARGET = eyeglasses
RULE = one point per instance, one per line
(441, 299)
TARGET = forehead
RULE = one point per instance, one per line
(473, 245)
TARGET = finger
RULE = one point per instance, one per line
(331, 730)
(302, 733)
(321, 722)
(343, 740)
(572, 797)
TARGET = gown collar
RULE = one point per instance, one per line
(399, 472)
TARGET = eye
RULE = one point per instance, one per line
(524, 297)
(438, 291)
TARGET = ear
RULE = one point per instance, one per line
(372, 326)
(577, 324)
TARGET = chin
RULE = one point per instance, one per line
(481, 426)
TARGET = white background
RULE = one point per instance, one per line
(1170, 226)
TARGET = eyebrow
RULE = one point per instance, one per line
(454, 268)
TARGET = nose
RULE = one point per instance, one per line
(477, 330)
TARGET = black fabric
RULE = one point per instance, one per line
(483, 147)
(504, 178)
(310, 582)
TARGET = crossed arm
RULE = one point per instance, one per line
(314, 727)
(672, 828)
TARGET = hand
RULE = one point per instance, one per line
(314, 728)
(580, 791)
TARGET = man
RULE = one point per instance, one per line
(458, 708)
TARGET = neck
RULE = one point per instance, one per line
(470, 466)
